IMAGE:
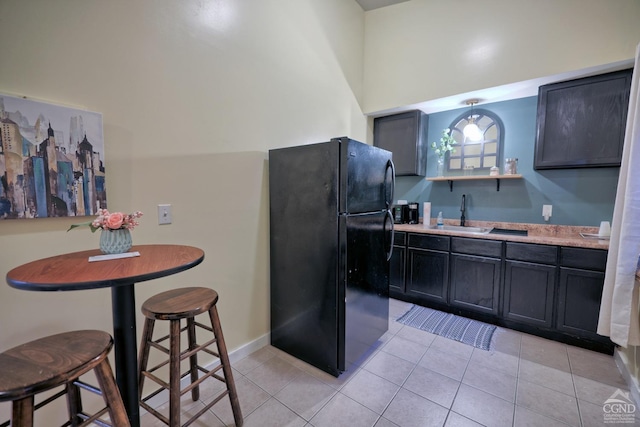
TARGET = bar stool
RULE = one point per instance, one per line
(175, 305)
(59, 360)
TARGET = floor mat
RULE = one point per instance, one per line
(468, 331)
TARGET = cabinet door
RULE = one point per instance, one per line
(528, 293)
(475, 283)
(428, 275)
(581, 123)
(396, 271)
(579, 295)
(404, 135)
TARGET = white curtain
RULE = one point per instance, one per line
(619, 316)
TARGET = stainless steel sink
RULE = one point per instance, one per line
(461, 229)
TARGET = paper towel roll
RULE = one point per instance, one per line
(426, 214)
(605, 229)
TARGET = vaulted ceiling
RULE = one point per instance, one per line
(375, 4)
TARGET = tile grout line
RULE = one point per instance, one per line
(515, 399)
(549, 388)
(575, 389)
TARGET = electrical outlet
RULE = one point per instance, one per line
(164, 214)
(546, 211)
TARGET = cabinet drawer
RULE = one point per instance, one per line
(399, 238)
(588, 259)
(462, 245)
(542, 254)
(424, 241)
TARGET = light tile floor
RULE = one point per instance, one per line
(414, 378)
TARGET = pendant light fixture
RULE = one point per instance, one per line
(471, 131)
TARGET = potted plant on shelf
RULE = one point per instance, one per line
(446, 144)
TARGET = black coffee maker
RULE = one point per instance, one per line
(406, 213)
(413, 215)
(401, 214)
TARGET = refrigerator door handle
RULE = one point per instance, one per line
(391, 166)
(388, 218)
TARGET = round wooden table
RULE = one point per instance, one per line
(73, 272)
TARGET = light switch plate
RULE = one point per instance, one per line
(164, 214)
(546, 211)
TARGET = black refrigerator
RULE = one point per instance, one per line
(331, 241)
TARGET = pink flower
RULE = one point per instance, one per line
(114, 220)
(111, 221)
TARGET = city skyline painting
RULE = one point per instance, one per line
(51, 160)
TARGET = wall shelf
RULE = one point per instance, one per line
(450, 179)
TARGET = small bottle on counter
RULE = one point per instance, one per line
(440, 222)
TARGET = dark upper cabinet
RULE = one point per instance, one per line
(581, 123)
(405, 135)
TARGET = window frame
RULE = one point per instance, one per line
(457, 126)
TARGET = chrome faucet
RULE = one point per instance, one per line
(462, 208)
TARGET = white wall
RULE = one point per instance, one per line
(423, 50)
(193, 95)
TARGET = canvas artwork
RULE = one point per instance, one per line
(51, 160)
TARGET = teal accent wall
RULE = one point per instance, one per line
(579, 196)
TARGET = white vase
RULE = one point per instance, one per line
(115, 241)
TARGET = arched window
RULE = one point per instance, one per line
(481, 154)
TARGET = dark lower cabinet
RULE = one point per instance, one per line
(428, 275)
(579, 297)
(530, 279)
(397, 265)
(475, 283)
(529, 291)
(428, 268)
(546, 290)
(580, 291)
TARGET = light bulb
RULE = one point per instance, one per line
(472, 131)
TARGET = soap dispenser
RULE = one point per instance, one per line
(440, 222)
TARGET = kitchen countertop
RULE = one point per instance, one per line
(559, 235)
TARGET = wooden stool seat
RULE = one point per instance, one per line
(54, 361)
(180, 303)
(175, 305)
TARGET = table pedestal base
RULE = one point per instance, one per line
(123, 303)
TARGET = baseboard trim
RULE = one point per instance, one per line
(234, 356)
(623, 363)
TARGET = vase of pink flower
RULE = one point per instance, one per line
(116, 241)
(115, 237)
